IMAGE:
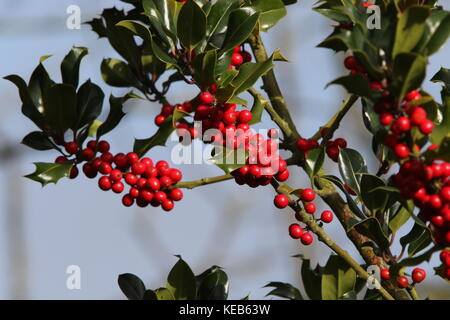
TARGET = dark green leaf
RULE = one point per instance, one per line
(284, 290)
(437, 31)
(311, 279)
(60, 107)
(117, 73)
(149, 295)
(142, 146)
(132, 287)
(46, 173)
(218, 16)
(354, 84)
(351, 163)
(410, 28)
(240, 25)
(270, 12)
(371, 228)
(229, 159)
(257, 111)
(70, 66)
(204, 65)
(214, 286)
(89, 103)
(115, 114)
(314, 161)
(374, 197)
(37, 140)
(409, 72)
(191, 26)
(181, 281)
(338, 278)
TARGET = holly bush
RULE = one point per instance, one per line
(216, 46)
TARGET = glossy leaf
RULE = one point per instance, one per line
(89, 103)
(117, 73)
(371, 228)
(270, 12)
(314, 161)
(142, 146)
(240, 25)
(257, 111)
(70, 66)
(37, 140)
(374, 197)
(204, 66)
(354, 84)
(409, 72)
(229, 159)
(60, 107)
(214, 286)
(311, 279)
(400, 218)
(410, 28)
(132, 287)
(284, 290)
(46, 173)
(181, 281)
(218, 16)
(115, 114)
(338, 278)
(437, 31)
(191, 27)
(351, 163)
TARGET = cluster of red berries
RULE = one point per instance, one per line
(263, 163)
(417, 276)
(429, 186)
(149, 183)
(445, 259)
(295, 230)
(332, 146)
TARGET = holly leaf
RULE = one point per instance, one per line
(271, 12)
(351, 164)
(70, 66)
(314, 161)
(181, 281)
(338, 278)
(115, 114)
(89, 103)
(132, 287)
(46, 173)
(240, 25)
(142, 146)
(60, 107)
(191, 25)
(37, 140)
(229, 159)
(284, 290)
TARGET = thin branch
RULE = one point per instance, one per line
(202, 182)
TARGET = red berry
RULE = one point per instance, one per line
(245, 116)
(418, 275)
(121, 160)
(146, 161)
(307, 195)
(246, 56)
(176, 194)
(117, 187)
(445, 193)
(435, 201)
(426, 127)
(132, 158)
(127, 200)
(295, 231)
(160, 196)
(167, 205)
(159, 120)
(165, 182)
(401, 151)
(272, 133)
(138, 168)
(326, 216)
(281, 201)
(141, 183)
(230, 117)
(341, 143)
(104, 183)
(206, 97)
(385, 274)
(386, 118)
(72, 147)
(255, 171)
(282, 176)
(73, 173)
(402, 282)
(306, 238)
(88, 154)
(310, 208)
(61, 159)
(402, 124)
(107, 157)
(146, 195)
(103, 146)
(175, 175)
(105, 168)
(350, 63)
(303, 144)
(418, 116)
(412, 95)
(89, 171)
(92, 144)
(116, 175)
(131, 179)
(443, 256)
(333, 153)
(236, 59)
(134, 192)
(153, 184)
